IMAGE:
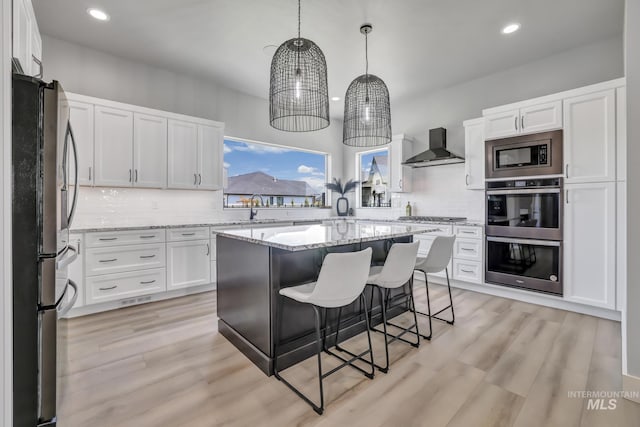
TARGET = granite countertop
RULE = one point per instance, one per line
(149, 223)
(302, 237)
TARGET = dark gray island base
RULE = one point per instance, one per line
(250, 274)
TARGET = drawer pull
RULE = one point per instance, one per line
(147, 237)
(147, 256)
(109, 288)
(148, 282)
(468, 232)
(188, 234)
(105, 239)
(468, 249)
(467, 271)
(108, 260)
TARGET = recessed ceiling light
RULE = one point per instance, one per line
(98, 14)
(511, 28)
(335, 98)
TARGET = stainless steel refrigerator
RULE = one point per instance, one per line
(42, 214)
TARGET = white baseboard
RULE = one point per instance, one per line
(631, 385)
(530, 297)
(113, 305)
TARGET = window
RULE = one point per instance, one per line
(375, 186)
(284, 177)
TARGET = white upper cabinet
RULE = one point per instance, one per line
(149, 151)
(524, 120)
(209, 157)
(590, 137)
(474, 157)
(541, 117)
(590, 244)
(113, 147)
(401, 149)
(503, 124)
(27, 42)
(81, 119)
(183, 154)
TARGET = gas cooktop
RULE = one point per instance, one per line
(433, 218)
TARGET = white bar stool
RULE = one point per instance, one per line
(437, 260)
(342, 278)
(396, 272)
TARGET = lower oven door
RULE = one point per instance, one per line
(524, 263)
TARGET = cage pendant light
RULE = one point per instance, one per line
(298, 92)
(367, 112)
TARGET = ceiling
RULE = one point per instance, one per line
(417, 46)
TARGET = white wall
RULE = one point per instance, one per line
(632, 63)
(5, 217)
(89, 72)
(440, 190)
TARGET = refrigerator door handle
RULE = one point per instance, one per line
(64, 310)
(67, 258)
(75, 182)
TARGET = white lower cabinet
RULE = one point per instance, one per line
(110, 287)
(188, 263)
(590, 244)
(118, 259)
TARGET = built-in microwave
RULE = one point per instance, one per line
(527, 155)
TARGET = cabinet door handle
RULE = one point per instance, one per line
(199, 179)
(400, 184)
(108, 260)
(79, 243)
(522, 122)
(109, 288)
(566, 196)
(89, 173)
(195, 179)
(147, 256)
(466, 179)
(147, 282)
(107, 238)
(515, 122)
(208, 249)
(566, 170)
(130, 177)
(136, 175)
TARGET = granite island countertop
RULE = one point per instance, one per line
(303, 237)
(147, 223)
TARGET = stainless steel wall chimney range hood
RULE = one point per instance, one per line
(437, 154)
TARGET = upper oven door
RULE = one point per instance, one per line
(528, 155)
(526, 213)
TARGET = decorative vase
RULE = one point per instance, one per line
(342, 206)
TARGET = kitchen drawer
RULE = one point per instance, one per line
(118, 259)
(467, 271)
(469, 249)
(129, 237)
(193, 233)
(109, 287)
(468, 232)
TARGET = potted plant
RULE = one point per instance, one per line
(342, 203)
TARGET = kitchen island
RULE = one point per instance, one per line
(254, 264)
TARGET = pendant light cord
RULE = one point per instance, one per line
(366, 53)
(298, 19)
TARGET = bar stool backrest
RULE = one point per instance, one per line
(398, 267)
(440, 253)
(342, 278)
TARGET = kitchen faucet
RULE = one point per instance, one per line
(253, 213)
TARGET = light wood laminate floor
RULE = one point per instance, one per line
(503, 363)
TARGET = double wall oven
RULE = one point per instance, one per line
(524, 201)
